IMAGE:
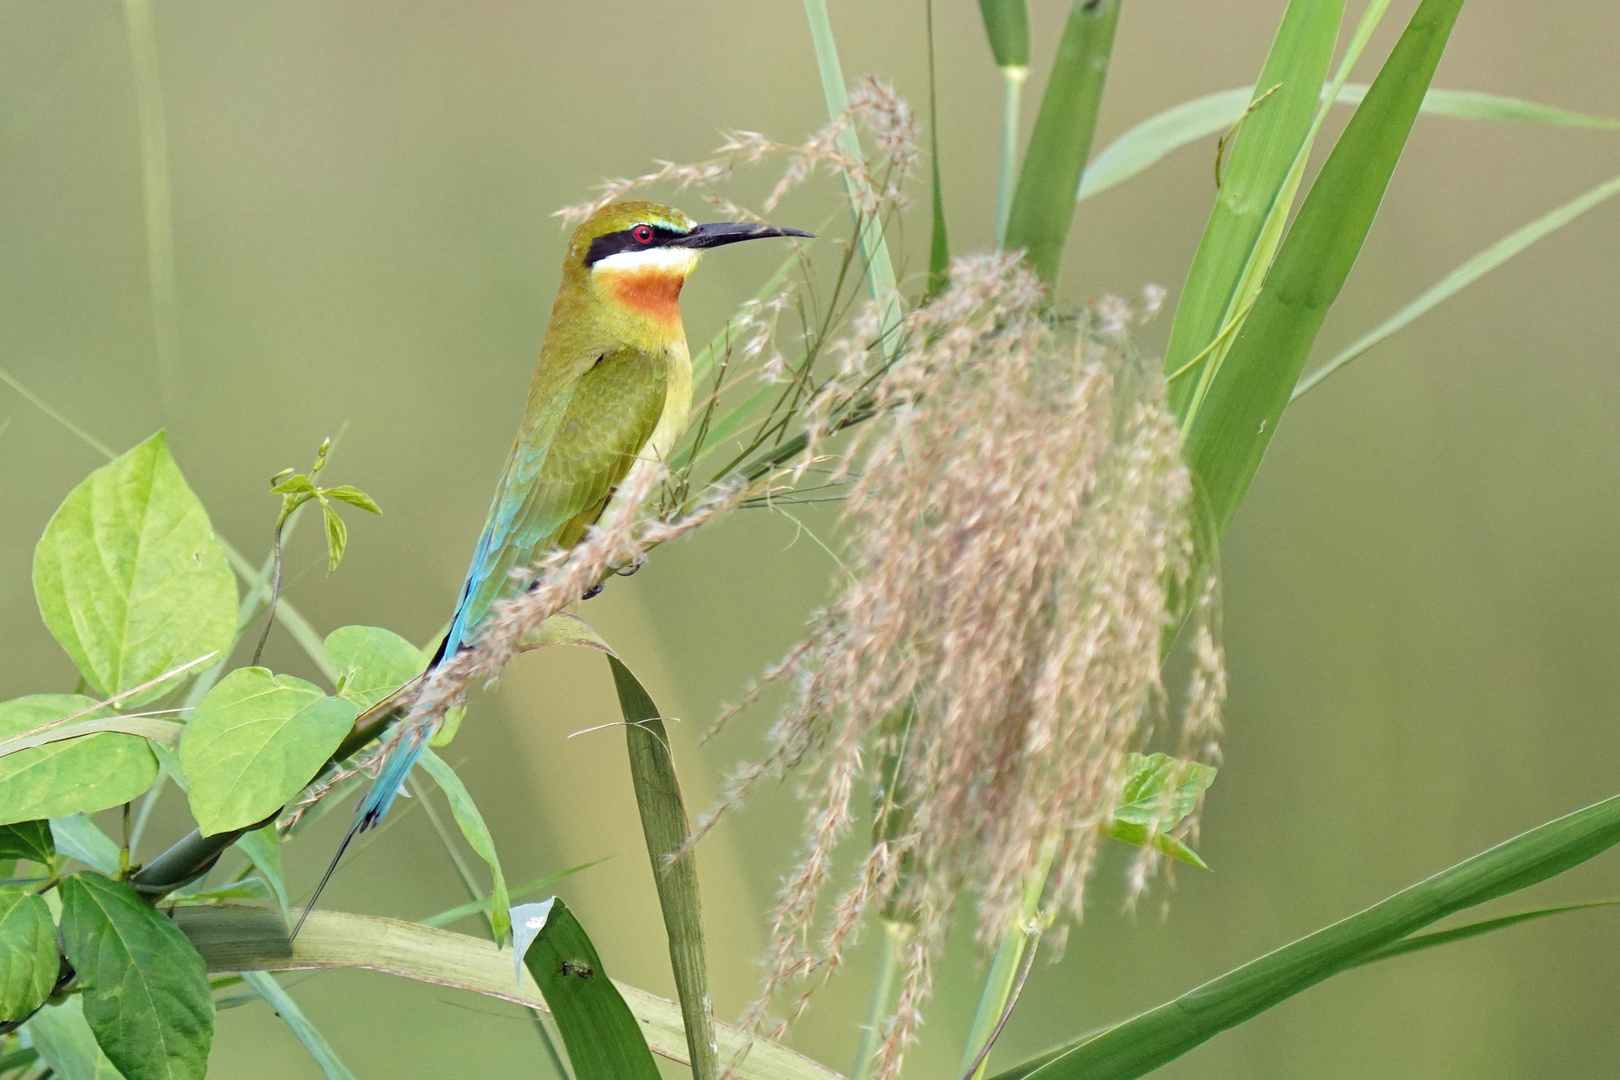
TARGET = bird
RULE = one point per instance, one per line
(612, 388)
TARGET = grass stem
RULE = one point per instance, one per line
(884, 986)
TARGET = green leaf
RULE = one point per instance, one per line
(603, 1039)
(1263, 151)
(77, 837)
(1044, 200)
(353, 496)
(665, 827)
(471, 822)
(1473, 105)
(1140, 1045)
(61, 778)
(28, 963)
(1419, 942)
(372, 662)
(129, 577)
(1006, 25)
(263, 849)
(244, 939)
(474, 907)
(1161, 790)
(1234, 425)
(294, 1017)
(29, 840)
(1153, 139)
(146, 992)
(254, 742)
(1465, 275)
(337, 537)
(66, 1043)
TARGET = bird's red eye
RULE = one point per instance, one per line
(642, 233)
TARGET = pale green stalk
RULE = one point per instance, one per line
(885, 983)
(874, 245)
(155, 192)
(1271, 232)
(1002, 981)
(468, 882)
(1012, 96)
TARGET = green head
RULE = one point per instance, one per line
(636, 255)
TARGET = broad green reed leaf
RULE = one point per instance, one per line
(1142, 1044)
(1460, 278)
(62, 778)
(129, 577)
(286, 1008)
(665, 827)
(1477, 105)
(253, 743)
(254, 939)
(477, 835)
(604, 1040)
(65, 1042)
(1043, 203)
(1155, 138)
(1229, 433)
(1006, 27)
(1419, 942)
(28, 963)
(1263, 150)
(146, 988)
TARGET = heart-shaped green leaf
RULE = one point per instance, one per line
(146, 990)
(72, 776)
(129, 577)
(29, 840)
(372, 662)
(66, 1043)
(28, 963)
(253, 742)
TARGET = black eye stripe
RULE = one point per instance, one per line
(625, 240)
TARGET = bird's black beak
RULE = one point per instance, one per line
(718, 233)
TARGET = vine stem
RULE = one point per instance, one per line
(1008, 969)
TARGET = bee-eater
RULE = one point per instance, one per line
(613, 387)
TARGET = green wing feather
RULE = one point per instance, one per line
(573, 450)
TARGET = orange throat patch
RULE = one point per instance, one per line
(651, 292)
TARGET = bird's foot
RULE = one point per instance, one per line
(626, 571)
(591, 593)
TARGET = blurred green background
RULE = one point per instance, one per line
(1420, 594)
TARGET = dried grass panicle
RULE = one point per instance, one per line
(1014, 533)
(873, 106)
(623, 536)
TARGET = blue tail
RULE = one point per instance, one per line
(395, 768)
